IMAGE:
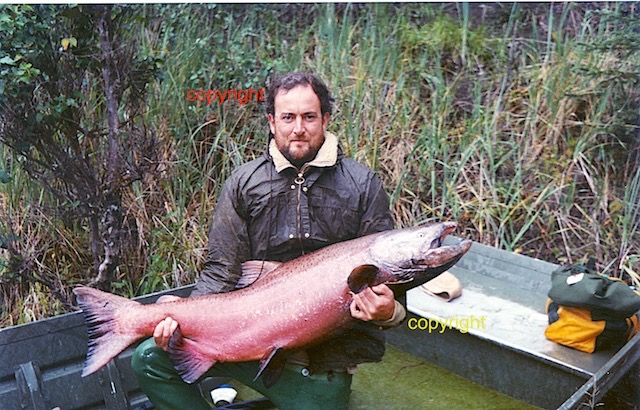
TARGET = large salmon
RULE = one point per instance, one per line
(288, 306)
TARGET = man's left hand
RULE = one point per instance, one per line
(373, 303)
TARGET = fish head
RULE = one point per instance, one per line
(413, 256)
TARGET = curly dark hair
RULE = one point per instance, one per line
(290, 80)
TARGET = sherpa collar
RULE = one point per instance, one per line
(326, 157)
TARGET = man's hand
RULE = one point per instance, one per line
(375, 303)
(163, 331)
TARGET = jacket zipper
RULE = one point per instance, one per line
(299, 180)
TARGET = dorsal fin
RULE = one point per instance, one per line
(362, 276)
(254, 270)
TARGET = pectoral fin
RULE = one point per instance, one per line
(271, 367)
(186, 358)
(362, 276)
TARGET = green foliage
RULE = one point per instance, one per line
(30, 64)
(445, 36)
(20, 27)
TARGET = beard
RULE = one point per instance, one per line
(299, 154)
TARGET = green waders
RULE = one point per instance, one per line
(295, 389)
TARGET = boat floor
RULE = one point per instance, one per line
(405, 381)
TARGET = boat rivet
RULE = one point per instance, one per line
(290, 236)
(306, 235)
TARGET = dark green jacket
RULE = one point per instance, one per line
(265, 215)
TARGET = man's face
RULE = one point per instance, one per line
(298, 125)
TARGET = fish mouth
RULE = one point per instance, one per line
(437, 253)
(436, 243)
(448, 228)
(438, 258)
(436, 247)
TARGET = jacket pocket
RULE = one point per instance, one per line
(334, 213)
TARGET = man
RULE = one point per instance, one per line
(300, 196)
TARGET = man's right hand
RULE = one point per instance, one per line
(163, 331)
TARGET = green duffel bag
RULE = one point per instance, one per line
(605, 297)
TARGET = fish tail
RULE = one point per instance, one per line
(105, 340)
